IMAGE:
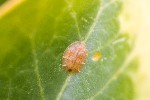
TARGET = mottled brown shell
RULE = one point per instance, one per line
(74, 57)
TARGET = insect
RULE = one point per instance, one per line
(74, 57)
(96, 56)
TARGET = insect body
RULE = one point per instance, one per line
(74, 57)
(96, 56)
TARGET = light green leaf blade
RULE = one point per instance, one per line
(34, 36)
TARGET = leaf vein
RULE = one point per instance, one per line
(36, 69)
(96, 19)
(74, 16)
(9, 90)
(88, 34)
(115, 75)
(63, 88)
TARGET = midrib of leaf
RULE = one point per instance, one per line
(8, 6)
(101, 8)
(36, 69)
(74, 16)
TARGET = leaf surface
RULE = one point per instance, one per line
(33, 37)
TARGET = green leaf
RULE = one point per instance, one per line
(33, 37)
(2, 1)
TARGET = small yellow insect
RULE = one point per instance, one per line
(96, 56)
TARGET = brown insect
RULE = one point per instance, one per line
(74, 57)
